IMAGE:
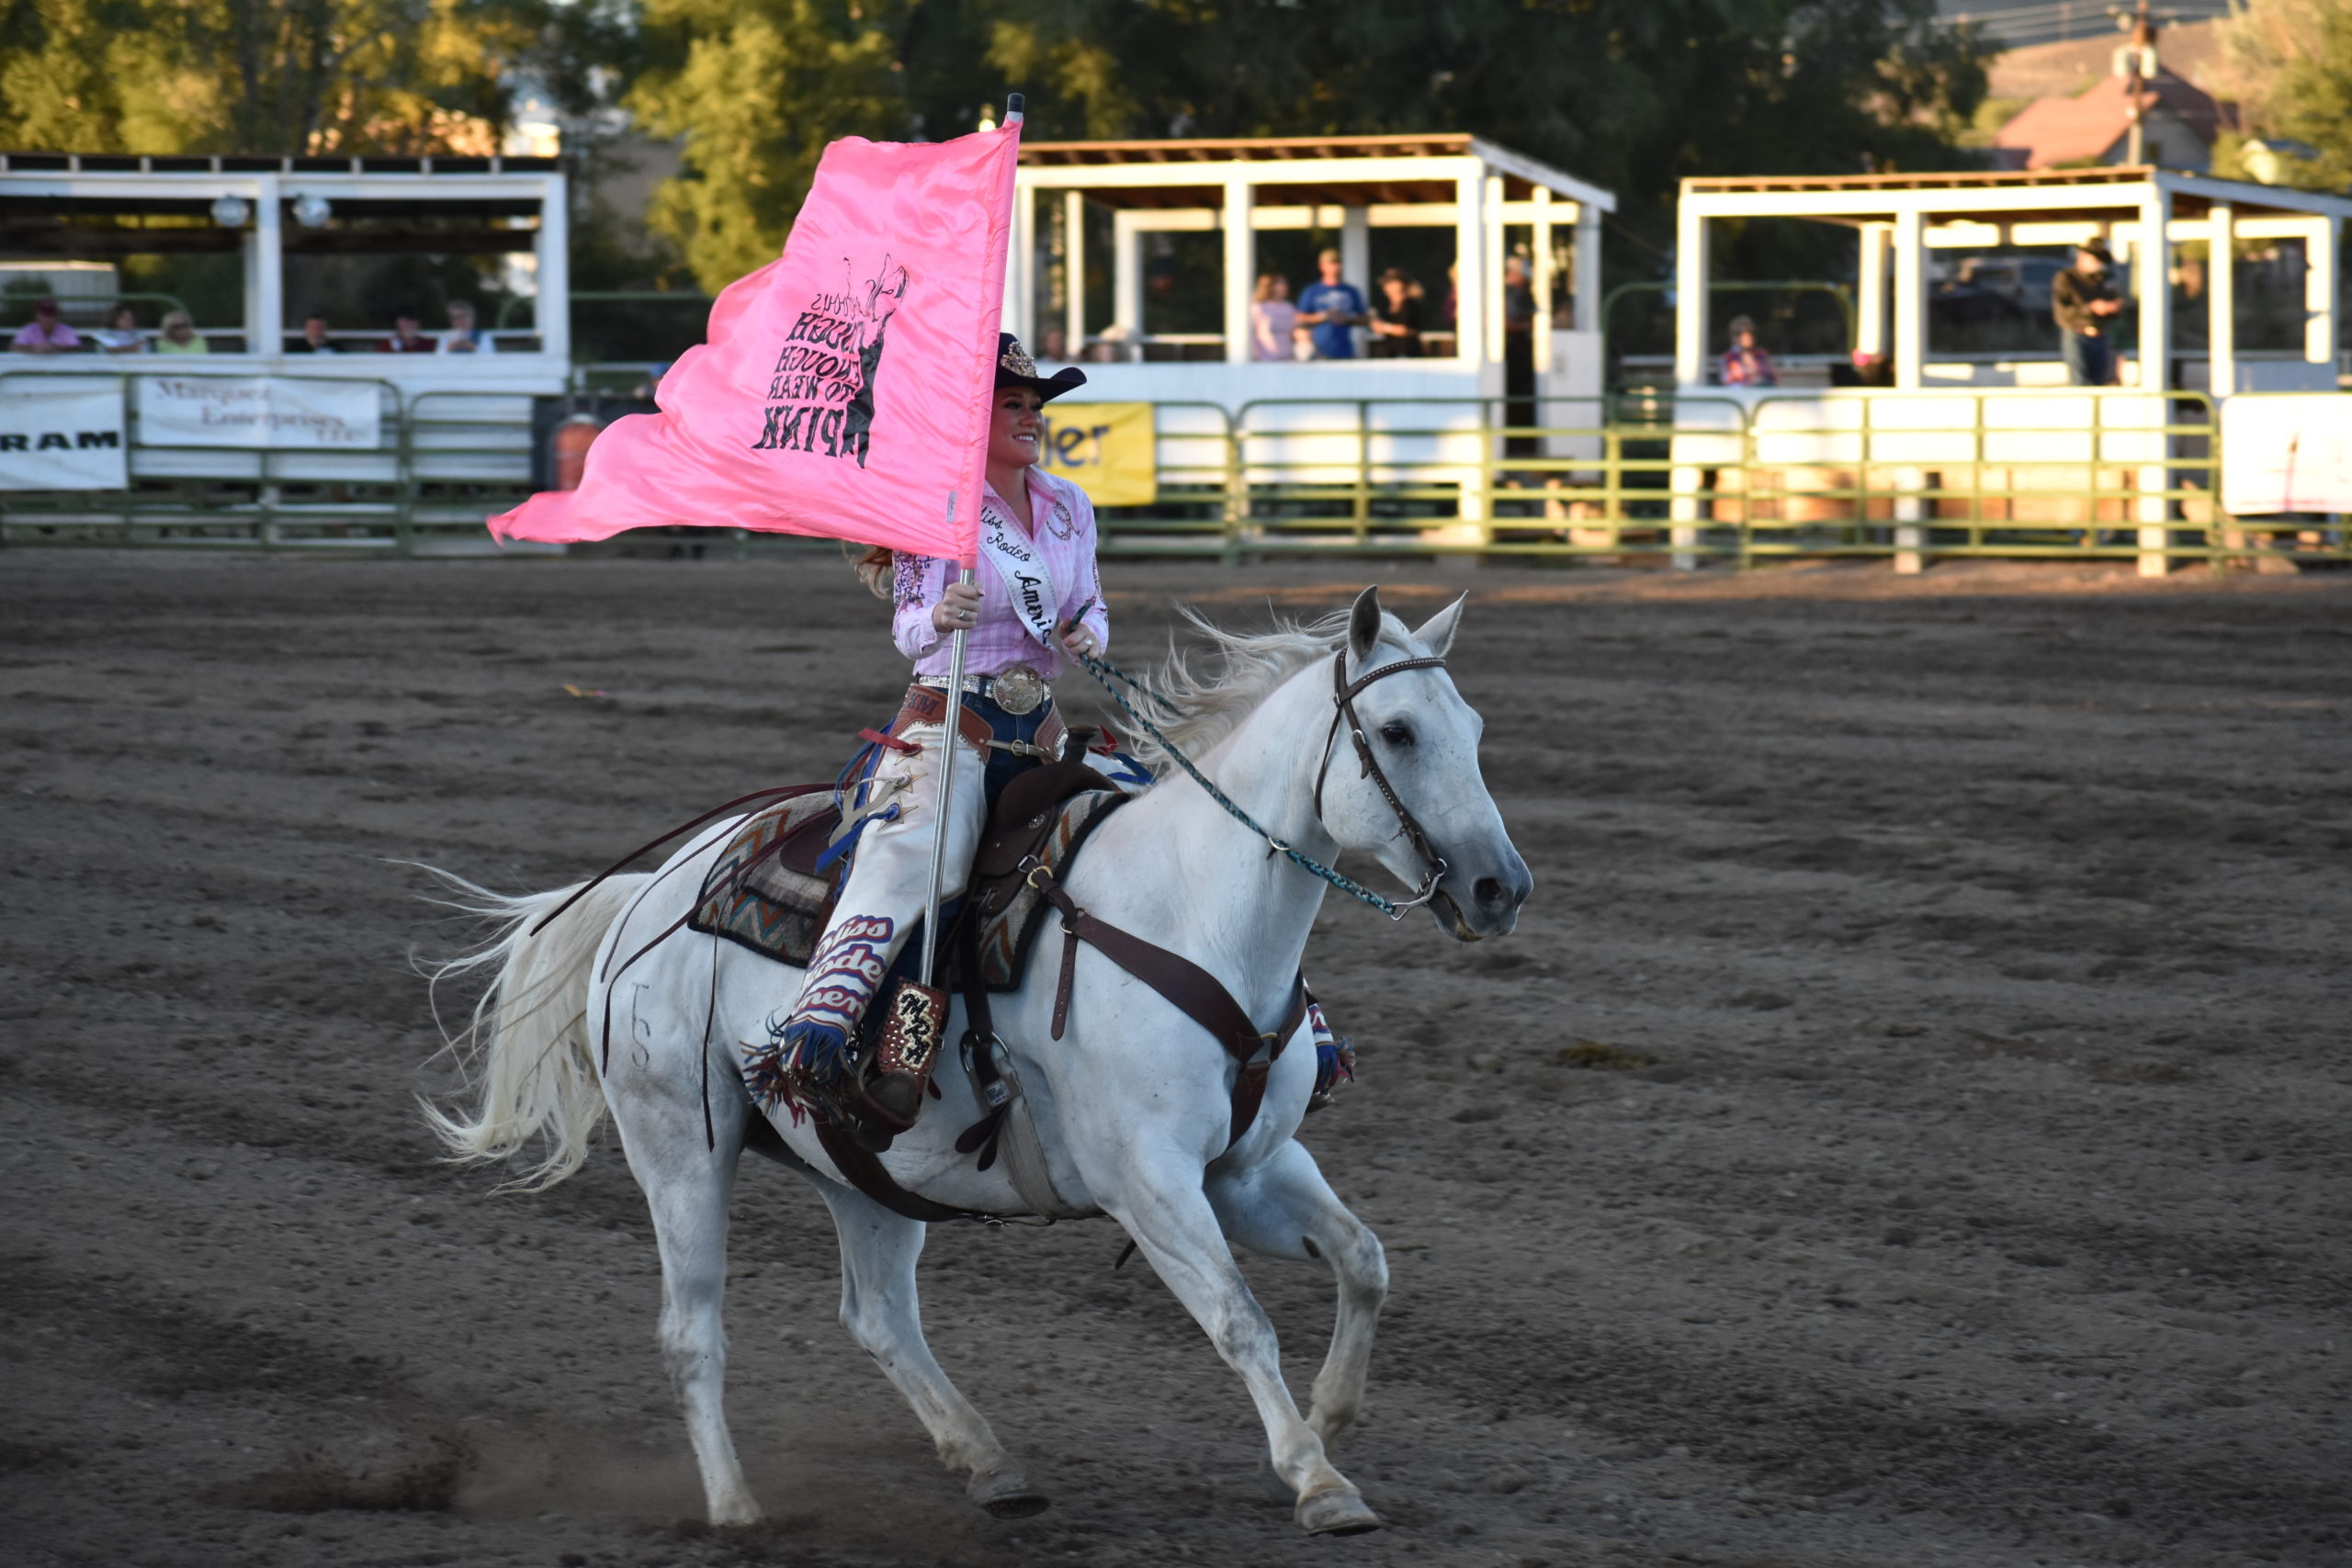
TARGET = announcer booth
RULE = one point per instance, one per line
(255, 439)
(1138, 261)
(1996, 453)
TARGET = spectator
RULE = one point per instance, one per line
(464, 336)
(314, 336)
(122, 334)
(2083, 300)
(408, 334)
(1745, 362)
(1331, 310)
(1272, 318)
(179, 335)
(1397, 317)
(1519, 357)
(45, 334)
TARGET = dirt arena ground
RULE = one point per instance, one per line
(1909, 1128)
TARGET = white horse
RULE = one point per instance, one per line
(1131, 1106)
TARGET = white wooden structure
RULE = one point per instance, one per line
(1353, 185)
(2141, 213)
(88, 207)
(2014, 425)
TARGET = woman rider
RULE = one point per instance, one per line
(1036, 598)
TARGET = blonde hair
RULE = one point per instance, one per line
(874, 568)
(177, 318)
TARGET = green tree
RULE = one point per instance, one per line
(755, 90)
(272, 77)
(2289, 64)
(1633, 93)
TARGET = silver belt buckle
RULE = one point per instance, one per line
(1018, 691)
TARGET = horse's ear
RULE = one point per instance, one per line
(1437, 632)
(1364, 624)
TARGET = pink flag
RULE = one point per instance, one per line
(843, 392)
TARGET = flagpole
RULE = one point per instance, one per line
(1013, 115)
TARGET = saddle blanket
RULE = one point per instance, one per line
(761, 894)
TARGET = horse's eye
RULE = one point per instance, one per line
(1396, 734)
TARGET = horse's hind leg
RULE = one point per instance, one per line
(1283, 1208)
(687, 1184)
(880, 1310)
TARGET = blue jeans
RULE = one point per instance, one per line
(2090, 362)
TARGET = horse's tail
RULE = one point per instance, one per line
(529, 1070)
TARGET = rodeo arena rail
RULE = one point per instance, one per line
(350, 465)
(1500, 438)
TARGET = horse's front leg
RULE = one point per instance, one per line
(880, 1309)
(1156, 1194)
(1283, 1208)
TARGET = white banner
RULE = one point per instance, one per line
(2286, 452)
(257, 411)
(62, 439)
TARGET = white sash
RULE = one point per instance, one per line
(1020, 565)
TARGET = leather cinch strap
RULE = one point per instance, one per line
(1192, 990)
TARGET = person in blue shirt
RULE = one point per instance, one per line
(1331, 310)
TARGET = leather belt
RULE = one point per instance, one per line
(927, 704)
(1017, 690)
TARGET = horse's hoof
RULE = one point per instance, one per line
(1005, 1493)
(1339, 1511)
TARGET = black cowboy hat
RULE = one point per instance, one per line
(1015, 369)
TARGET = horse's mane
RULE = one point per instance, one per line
(1212, 696)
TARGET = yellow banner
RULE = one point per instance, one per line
(1106, 449)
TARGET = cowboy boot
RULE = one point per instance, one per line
(812, 1059)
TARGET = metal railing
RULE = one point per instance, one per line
(1664, 479)
(428, 481)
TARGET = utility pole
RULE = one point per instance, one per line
(2136, 62)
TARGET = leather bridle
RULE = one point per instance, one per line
(1343, 705)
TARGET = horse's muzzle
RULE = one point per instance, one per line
(1475, 904)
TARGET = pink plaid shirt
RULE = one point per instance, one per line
(1065, 538)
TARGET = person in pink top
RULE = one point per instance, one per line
(45, 334)
(1036, 600)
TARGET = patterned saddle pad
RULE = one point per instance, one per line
(761, 894)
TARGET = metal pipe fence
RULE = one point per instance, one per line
(1666, 480)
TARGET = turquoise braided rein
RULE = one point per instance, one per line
(1104, 672)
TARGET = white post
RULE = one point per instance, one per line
(1910, 231)
(2152, 278)
(551, 308)
(1869, 278)
(1541, 281)
(1910, 518)
(1689, 297)
(1020, 273)
(2152, 281)
(1491, 210)
(1587, 290)
(1355, 247)
(1470, 267)
(1240, 262)
(1074, 272)
(2222, 302)
(1127, 281)
(2320, 263)
(265, 273)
